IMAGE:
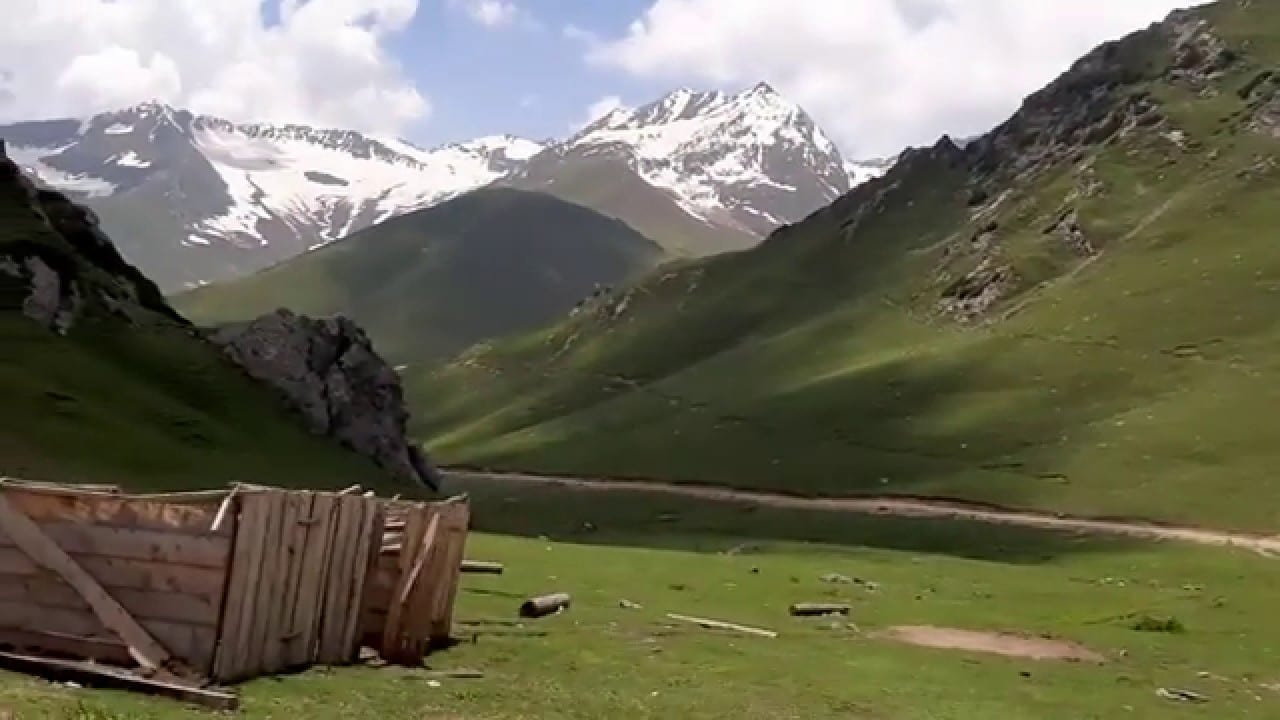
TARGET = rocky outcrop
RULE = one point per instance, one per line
(328, 371)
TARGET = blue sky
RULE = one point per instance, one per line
(525, 78)
(876, 75)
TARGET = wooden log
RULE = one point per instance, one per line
(722, 625)
(27, 535)
(481, 567)
(817, 608)
(102, 676)
(543, 605)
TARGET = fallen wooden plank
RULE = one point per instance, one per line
(722, 625)
(455, 674)
(481, 567)
(542, 605)
(28, 537)
(817, 608)
(104, 676)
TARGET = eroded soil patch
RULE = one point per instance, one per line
(1008, 644)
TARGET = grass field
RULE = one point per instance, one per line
(600, 660)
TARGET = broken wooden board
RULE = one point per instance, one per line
(102, 676)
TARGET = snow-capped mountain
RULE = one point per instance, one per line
(244, 196)
(195, 199)
(752, 160)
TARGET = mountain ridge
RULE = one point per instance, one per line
(200, 199)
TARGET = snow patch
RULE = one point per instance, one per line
(118, 129)
(34, 159)
(131, 159)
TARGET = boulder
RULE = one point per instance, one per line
(328, 371)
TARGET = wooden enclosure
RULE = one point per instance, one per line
(224, 586)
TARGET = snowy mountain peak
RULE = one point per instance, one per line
(753, 159)
(241, 196)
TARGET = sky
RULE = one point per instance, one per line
(877, 75)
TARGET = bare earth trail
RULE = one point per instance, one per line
(898, 507)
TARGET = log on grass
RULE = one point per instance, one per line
(543, 605)
(481, 567)
(812, 609)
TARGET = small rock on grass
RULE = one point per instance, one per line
(628, 605)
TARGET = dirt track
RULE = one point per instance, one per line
(903, 507)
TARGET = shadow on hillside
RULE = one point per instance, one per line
(983, 422)
(643, 518)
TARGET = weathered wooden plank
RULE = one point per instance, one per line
(459, 519)
(319, 535)
(121, 573)
(48, 590)
(189, 643)
(108, 650)
(416, 522)
(71, 487)
(366, 551)
(80, 539)
(268, 590)
(337, 592)
(108, 677)
(29, 538)
(290, 563)
(45, 504)
(237, 615)
(409, 611)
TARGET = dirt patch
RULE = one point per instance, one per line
(1009, 644)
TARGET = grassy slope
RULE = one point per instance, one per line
(145, 405)
(429, 283)
(1138, 383)
(599, 660)
(609, 186)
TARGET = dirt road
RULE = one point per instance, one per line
(901, 507)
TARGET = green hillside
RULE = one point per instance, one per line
(129, 395)
(607, 185)
(427, 284)
(1079, 311)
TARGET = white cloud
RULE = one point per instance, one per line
(323, 62)
(877, 74)
(490, 13)
(597, 110)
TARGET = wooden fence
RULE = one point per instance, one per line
(224, 585)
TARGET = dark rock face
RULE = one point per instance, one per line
(328, 371)
(75, 267)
